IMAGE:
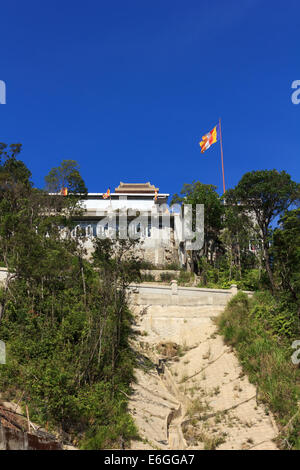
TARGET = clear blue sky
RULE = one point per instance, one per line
(127, 88)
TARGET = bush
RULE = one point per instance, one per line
(147, 265)
(185, 277)
(279, 314)
(166, 277)
(171, 267)
(147, 278)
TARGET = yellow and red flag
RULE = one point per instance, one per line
(64, 191)
(107, 194)
(155, 195)
(211, 138)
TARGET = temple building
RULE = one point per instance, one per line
(147, 216)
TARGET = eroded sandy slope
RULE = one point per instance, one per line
(199, 398)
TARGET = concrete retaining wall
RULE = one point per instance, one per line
(147, 294)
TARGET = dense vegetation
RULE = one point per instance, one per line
(252, 239)
(65, 321)
(239, 228)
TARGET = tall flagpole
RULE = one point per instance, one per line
(221, 144)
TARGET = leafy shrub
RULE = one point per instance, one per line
(185, 277)
(171, 267)
(166, 277)
(251, 280)
(147, 265)
(279, 314)
(147, 277)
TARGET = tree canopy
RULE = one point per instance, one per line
(67, 175)
(264, 195)
(199, 193)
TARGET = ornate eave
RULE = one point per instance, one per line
(136, 188)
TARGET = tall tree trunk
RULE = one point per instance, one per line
(83, 282)
(238, 248)
(230, 261)
(267, 264)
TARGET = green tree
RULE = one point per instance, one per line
(9, 152)
(66, 175)
(264, 195)
(199, 193)
(286, 252)
(66, 324)
(12, 171)
(236, 237)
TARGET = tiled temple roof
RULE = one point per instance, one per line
(140, 188)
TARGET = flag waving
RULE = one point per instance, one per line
(107, 194)
(211, 138)
(64, 191)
